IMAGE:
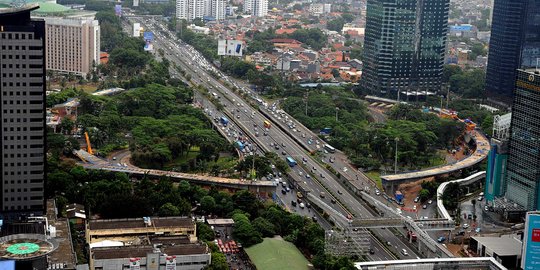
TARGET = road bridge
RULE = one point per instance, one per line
(93, 162)
(391, 182)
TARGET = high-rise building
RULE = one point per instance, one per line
(72, 45)
(404, 45)
(22, 125)
(523, 170)
(218, 9)
(192, 9)
(257, 8)
(514, 43)
(260, 8)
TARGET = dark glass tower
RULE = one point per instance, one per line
(523, 171)
(22, 114)
(404, 45)
(514, 43)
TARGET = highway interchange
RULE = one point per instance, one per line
(309, 175)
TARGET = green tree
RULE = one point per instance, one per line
(204, 232)
(208, 204)
(265, 227)
(168, 210)
(219, 262)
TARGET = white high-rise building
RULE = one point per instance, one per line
(182, 9)
(72, 44)
(248, 6)
(192, 9)
(218, 9)
(257, 8)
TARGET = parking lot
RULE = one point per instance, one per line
(236, 256)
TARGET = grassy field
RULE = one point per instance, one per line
(375, 176)
(277, 254)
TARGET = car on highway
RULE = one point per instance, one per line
(283, 191)
(441, 239)
(322, 195)
(283, 153)
(404, 252)
(299, 195)
(424, 206)
(333, 200)
(339, 192)
(293, 203)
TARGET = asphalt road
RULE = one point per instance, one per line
(247, 116)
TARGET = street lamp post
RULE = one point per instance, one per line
(307, 97)
(395, 158)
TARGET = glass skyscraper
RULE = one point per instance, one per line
(523, 171)
(404, 45)
(514, 43)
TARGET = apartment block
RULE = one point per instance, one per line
(72, 45)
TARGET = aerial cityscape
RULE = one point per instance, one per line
(270, 134)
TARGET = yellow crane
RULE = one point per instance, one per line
(88, 146)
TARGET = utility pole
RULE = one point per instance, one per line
(307, 97)
(337, 110)
(395, 158)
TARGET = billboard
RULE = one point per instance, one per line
(170, 263)
(118, 10)
(230, 47)
(136, 29)
(148, 38)
(530, 259)
(135, 264)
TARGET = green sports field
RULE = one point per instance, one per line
(276, 254)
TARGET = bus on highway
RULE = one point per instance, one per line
(329, 148)
(291, 161)
(267, 124)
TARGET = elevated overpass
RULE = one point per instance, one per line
(390, 182)
(93, 162)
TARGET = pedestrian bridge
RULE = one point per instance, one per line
(93, 162)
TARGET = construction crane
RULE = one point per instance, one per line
(88, 146)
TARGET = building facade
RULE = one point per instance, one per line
(257, 8)
(150, 243)
(523, 173)
(22, 99)
(404, 46)
(72, 45)
(514, 43)
(190, 10)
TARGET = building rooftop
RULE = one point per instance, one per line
(220, 221)
(141, 251)
(506, 245)
(132, 223)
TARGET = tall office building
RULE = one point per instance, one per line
(72, 45)
(22, 99)
(514, 43)
(404, 45)
(257, 8)
(523, 170)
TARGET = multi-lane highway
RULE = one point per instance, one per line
(309, 175)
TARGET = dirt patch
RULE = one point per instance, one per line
(455, 249)
(410, 190)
